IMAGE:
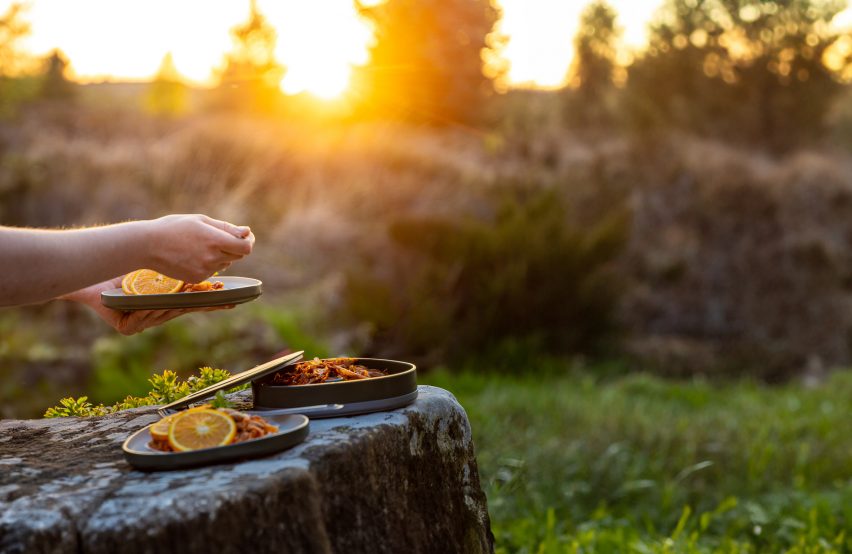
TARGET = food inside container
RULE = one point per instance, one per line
(328, 370)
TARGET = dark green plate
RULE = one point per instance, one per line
(292, 429)
(237, 291)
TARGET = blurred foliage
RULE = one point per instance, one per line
(572, 462)
(591, 92)
(165, 389)
(250, 79)
(466, 285)
(238, 339)
(167, 95)
(55, 84)
(426, 63)
(61, 349)
(15, 88)
(757, 71)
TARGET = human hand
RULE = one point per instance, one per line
(128, 323)
(193, 247)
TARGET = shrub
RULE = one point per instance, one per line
(165, 388)
(469, 286)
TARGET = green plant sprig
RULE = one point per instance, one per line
(165, 388)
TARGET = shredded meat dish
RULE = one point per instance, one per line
(320, 371)
(249, 427)
(203, 286)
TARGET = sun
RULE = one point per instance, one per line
(319, 43)
(322, 82)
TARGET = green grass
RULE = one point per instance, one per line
(574, 463)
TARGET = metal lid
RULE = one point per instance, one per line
(233, 381)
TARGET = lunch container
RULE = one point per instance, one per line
(339, 397)
(292, 429)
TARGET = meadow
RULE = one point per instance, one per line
(694, 399)
(639, 286)
(573, 461)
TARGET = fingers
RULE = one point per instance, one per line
(232, 239)
(226, 257)
(164, 316)
(131, 323)
(238, 231)
(239, 246)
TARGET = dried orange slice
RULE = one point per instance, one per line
(160, 430)
(148, 281)
(204, 428)
(125, 283)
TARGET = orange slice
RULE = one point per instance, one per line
(204, 428)
(148, 281)
(125, 283)
(160, 430)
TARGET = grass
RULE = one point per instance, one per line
(575, 463)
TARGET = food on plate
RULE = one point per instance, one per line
(206, 427)
(320, 371)
(148, 281)
(160, 430)
(203, 286)
(125, 283)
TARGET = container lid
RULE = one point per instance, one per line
(233, 381)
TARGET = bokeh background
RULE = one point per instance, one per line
(619, 232)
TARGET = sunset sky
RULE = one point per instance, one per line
(318, 40)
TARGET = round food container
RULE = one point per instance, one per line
(340, 397)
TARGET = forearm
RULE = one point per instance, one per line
(39, 265)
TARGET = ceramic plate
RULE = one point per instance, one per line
(237, 290)
(292, 429)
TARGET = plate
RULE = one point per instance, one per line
(237, 290)
(292, 429)
(336, 398)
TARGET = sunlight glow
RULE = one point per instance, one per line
(318, 41)
(541, 35)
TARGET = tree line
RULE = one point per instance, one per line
(765, 72)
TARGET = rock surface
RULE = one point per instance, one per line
(399, 481)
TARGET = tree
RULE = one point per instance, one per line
(251, 77)
(15, 86)
(752, 70)
(54, 83)
(167, 94)
(13, 28)
(592, 72)
(427, 60)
